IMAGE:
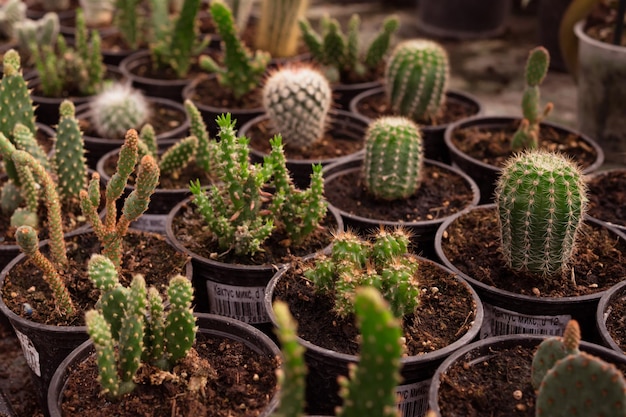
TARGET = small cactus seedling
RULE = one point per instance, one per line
(527, 135)
(297, 100)
(553, 349)
(117, 108)
(416, 79)
(541, 200)
(393, 162)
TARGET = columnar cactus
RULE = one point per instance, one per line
(117, 108)
(553, 349)
(43, 31)
(297, 100)
(278, 31)
(394, 158)
(384, 264)
(527, 135)
(242, 70)
(17, 105)
(541, 200)
(416, 79)
(128, 21)
(69, 155)
(11, 12)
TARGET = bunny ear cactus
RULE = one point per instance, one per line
(394, 158)
(416, 79)
(69, 155)
(297, 100)
(541, 200)
(117, 108)
(553, 349)
(527, 135)
(206, 148)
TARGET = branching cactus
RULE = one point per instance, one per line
(541, 199)
(175, 158)
(242, 70)
(69, 155)
(416, 79)
(527, 135)
(11, 12)
(297, 100)
(340, 54)
(17, 105)
(384, 264)
(278, 31)
(111, 231)
(207, 147)
(553, 349)
(44, 31)
(394, 158)
(129, 21)
(117, 108)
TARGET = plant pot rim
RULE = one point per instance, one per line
(143, 56)
(190, 88)
(495, 120)
(602, 316)
(546, 301)
(434, 222)
(579, 30)
(406, 361)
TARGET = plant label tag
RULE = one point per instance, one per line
(499, 321)
(30, 353)
(412, 399)
(154, 223)
(241, 303)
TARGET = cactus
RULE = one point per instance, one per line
(242, 70)
(129, 22)
(14, 90)
(297, 100)
(553, 349)
(207, 147)
(416, 79)
(117, 108)
(11, 12)
(340, 54)
(175, 158)
(527, 135)
(541, 200)
(384, 264)
(278, 31)
(69, 155)
(98, 12)
(43, 31)
(393, 162)
(180, 324)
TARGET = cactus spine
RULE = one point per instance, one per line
(297, 100)
(416, 79)
(393, 162)
(278, 31)
(117, 108)
(541, 200)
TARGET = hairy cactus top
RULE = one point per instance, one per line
(117, 108)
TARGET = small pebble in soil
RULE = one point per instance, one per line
(520, 407)
(31, 289)
(517, 394)
(536, 291)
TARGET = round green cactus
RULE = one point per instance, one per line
(297, 100)
(392, 167)
(416, 78)
(541, 199)
(117, 109)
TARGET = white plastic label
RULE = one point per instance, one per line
(30, 353)
(241, 303)
(499, 321)
(412, 399)
(154, 223)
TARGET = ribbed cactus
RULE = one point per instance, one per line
(242, 70)
(553, 349)
(11, 12)
(117, 108)
(527, 135)
(383, 263)
(416, 79)
(297, 100)
(278, 31)
(69, 154)
(541, 200)
(394, 158)
(172, 160)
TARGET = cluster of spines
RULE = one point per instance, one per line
(117, 108)
(278, 26)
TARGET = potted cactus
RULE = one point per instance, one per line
(481, 144)
(321, 294)
(297, 100)
(393, 184)
(11, 13)
(546, 261)
(415, 85)
(149, 357)
(553, 376)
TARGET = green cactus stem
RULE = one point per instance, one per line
(206, 149)
(100, 333)
(394, 158)
(11, 12)
(297, 100)
(180, 324)
(69, 155)
(117, 108)
(128, 22)
(553, 349)
(178, 156)
(155, 331)
(416, 79)
(278, 31)
(17, 106)
(541, 200)
(21, 186)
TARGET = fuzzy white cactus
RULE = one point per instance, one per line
(117, 109)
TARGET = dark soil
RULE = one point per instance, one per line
(441, 194)
(240, 383)
(189, 228)
(147, 254)
(607, 197)
(492, 145)
(597, 263)
(601, 22)
(446, 312)
(377, 105)
(208, 92)
(616, 320)
(149, 70)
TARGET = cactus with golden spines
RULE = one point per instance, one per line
(117, 108)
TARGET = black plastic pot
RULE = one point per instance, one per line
(615, 295)
(434, 145)
(208, 324)
(474, 355)
(343, 93)
(343, 124)
(486, 175)
(508, 312)
(325, 365)
(423, 232)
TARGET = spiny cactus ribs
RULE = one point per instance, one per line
(117, 109)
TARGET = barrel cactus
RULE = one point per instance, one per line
(297, 100)
(416, 78)
(393, 163)
(117, 109)
(541, 199)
